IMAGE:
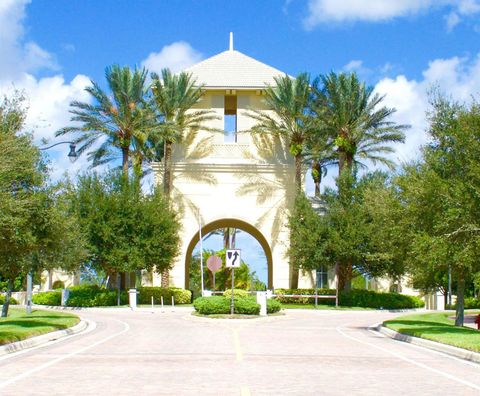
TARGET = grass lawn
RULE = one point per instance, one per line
(436, 327)
(320, 306)
(19, 326)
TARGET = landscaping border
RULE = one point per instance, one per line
(42, 339)
(460, 353)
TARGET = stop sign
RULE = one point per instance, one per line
(214, 263)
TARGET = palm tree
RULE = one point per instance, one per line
(291, 119)
(175, 95)
(289, 101)
(121, 120)
(353, 116)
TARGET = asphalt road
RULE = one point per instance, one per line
(173, 353)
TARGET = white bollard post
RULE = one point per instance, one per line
(152, 302)
(161, 300)
(173, 301)
(65, 295)
(262, 300)
(132, 298)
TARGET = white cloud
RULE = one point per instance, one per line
(357, 67)
(353, 65)
(176, 56)
(48, 98)
(327, 11)
(459, 78)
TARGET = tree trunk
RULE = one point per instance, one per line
(317, 177)
(167, 172)
(138, 278)
(165, 280)
(345, 273)
(298, 190)
(298, 174)
(125, 154)
(460, 300)
(341, 162)
(167, 189)
(6, 304)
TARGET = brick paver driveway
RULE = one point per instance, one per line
(173, 353)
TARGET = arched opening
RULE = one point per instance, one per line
(229, 223)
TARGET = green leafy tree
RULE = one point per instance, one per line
(308, 232)
(36, 230)
(121, 120)
(361, 128)
(441, 197)
(125, 229)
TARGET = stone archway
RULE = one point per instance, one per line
(233, 223)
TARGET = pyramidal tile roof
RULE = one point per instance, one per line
(232, 69)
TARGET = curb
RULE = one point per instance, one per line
(42, 339)
(436, 346)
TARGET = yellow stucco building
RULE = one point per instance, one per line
(232, 178)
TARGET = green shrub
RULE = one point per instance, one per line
(353, 298)
(48, 298)
(246, 306)
(12, 300)
(58, 284)
(212, 305)
(273, 306)
(472, 303)
(302, 300)
(236, 293)
(94, 296)
(181, 296)
(372, 299)
(221, 305)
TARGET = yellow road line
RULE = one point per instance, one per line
(236, 344)
(244, 391)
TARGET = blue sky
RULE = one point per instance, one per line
(51, 49)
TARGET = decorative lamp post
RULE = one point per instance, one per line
(72, 156)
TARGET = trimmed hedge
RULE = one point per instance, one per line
(236, 293)
(302, 300)
(353, 298)
(48, 298)
(221, 305)
(273, 306)
(82, 296)
(181, 296)
(95, 296)
(12, 300)
(372, 299)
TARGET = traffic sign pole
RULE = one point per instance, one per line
(232, 302)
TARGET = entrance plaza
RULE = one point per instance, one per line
(147, 352)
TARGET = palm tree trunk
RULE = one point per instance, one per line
(459, 317)
(317, 177)
(298, 174)
(125, 154)
(294, 274)
(341, 162)
(167, 174)
(167, 189)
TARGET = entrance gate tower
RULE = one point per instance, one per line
(235, 178)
